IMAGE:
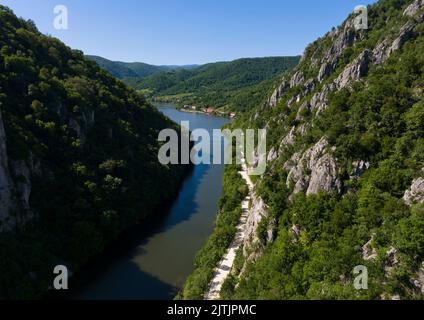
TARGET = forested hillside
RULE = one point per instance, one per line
(78, 158)
(132, 72)
(344, 185)
(237, 85)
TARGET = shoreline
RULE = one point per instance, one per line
(223, 270)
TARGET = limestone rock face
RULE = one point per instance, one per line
(6, 221)
(257, 212)
(354, 71)
(326, 69)
(358, 168)
(415, 194)
(319, 101)
(288, 140)
(383, 50)
(272, 155)
(314, 171)
(413, 8)
(278, 93)
(297, 79)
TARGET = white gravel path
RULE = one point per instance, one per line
(226, 264)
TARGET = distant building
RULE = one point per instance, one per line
(194, 108)
(233, 115)
(210, 110)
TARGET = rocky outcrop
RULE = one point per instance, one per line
(297, 79)
(354, 71)
(251, 246)
(15, 186)
(278, 93)
(418, 281)
(415, 194)
(388, 46)
(313, 171)
(413, 8)
(392, 261)
(319, 101)
(344, 37)
(326, 69)
(358, 168)
(272, 155)
(6, 220)
(288, 140)
(368, 250)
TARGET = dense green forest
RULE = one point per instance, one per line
(354, 125)
(237, 85)
(233, 86)
(81, 161)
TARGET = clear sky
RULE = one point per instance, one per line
(188, 31)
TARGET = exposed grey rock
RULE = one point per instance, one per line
(313, 171)
(354, 71)
(293, 100)
(272, 155)
(278, 93)
(258, 211)
(289, 138)
(308, 87)
(413, 8)
(344, 37)
(380, 52)
(419, 279)
(302, 129)
(358, 168)
(383, 51)
(295, 230)
(319, 101)
(404, 35)
(297, 79)
(326, 69)
(6, 201)
(392, 261)
(368, 250)
(415, 194)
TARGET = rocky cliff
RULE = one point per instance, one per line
(344, 165)
(6, 203)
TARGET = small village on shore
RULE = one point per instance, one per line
(208, 111)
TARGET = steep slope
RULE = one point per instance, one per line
(78, 158)
(344, 182)
(236, 85)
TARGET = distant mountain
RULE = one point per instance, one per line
(236, 85)
(138, 70)
(124, 70)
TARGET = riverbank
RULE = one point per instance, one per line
(154, 260)
(215, 114)
(226, 265)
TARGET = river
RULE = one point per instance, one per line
(161, 257)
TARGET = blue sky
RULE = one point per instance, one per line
(188, 31)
